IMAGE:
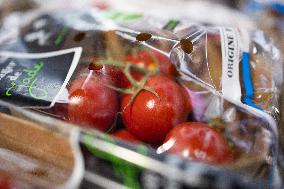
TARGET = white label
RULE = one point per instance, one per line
(231, 88)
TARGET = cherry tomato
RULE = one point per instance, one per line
(126, 135)
(92, 103)
(149, 117)
(148, 60)
(113, 73)
(197, 141)
(5, 181)
(166, 66)
(59, 110)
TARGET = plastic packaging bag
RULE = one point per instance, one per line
(110, 70)
(48, 160)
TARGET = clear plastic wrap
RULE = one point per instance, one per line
(111, 71)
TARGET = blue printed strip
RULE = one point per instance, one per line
(252, 6)
(279, 7)
(248, 86)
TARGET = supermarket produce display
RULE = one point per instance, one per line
(95, 97)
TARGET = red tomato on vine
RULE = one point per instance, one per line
(150, 117)
(92, 103)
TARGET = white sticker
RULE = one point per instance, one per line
(231, 88)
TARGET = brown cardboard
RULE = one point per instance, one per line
(30, 142)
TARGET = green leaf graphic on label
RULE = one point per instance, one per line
(122, 168)
(59, 38)
(122, 16)
(171, 25)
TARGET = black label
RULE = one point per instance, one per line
(36, 79)
(44, 34)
